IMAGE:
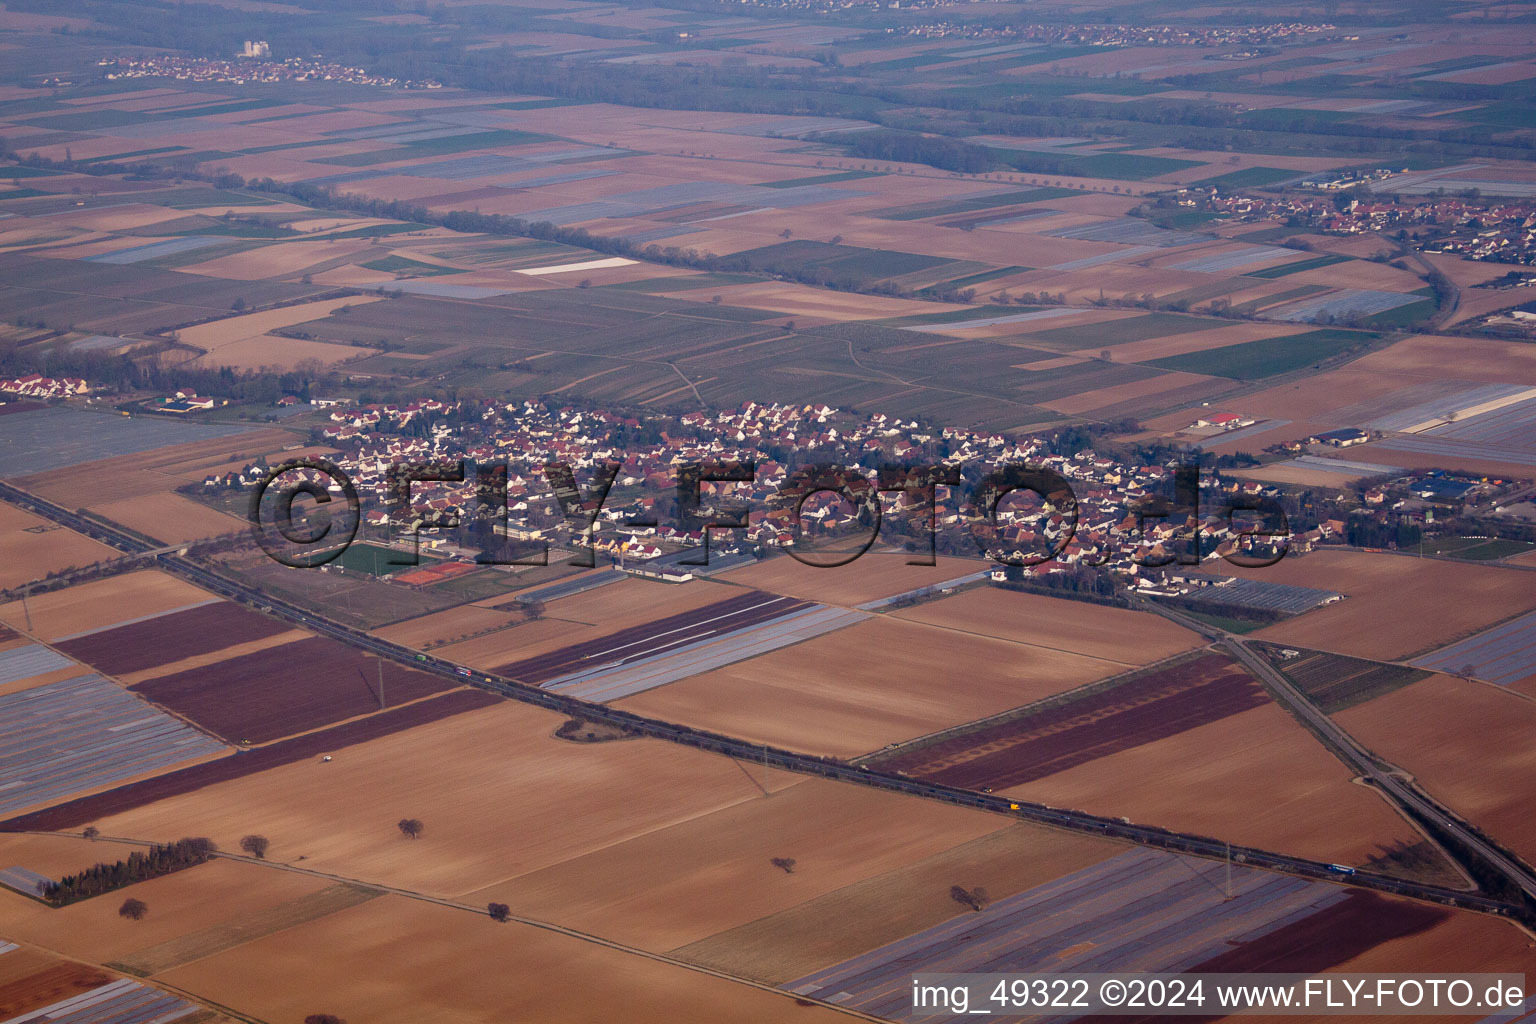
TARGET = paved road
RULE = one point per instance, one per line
(805, 764)
(1362, 761)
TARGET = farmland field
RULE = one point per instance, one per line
(288, 689)
(881, 681)
(1393, 606)
(771, 237)
(170, 637)
(31, 547)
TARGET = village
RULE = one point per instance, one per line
(1135, 35)
(1117, 527)
(243, 70)
(1468, 226)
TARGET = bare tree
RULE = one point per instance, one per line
(534, 609)
(411, 828)
(498, 911)
(975, 898)
(256, 846)
(91, 832)
(133, 910)
(784, 864)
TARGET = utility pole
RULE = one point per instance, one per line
(25, 607)
(379, 660)
(1229, 869)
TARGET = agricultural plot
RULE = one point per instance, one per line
(36, 987)
(81, 810)
(1342, 303)
(711, 874)
(24, 662)
(287, 689)
(1504, 655)
(221, 905)
(81, 734)
(1336, 683)
(1137, 711)
(1129, 231)
(170, 637)
(54, 438)
(1125, 637)
(1235, 259)
(1428, 728)
(1287, 269)
(1259, 596)
(101, 604)
(1139, 911)
(1120, 332)
(880, 681)
(1268, 357)
(1500, 435)
(31, 548)
(1394, 606)
(395, 960)
(695, 656)
(631, 661)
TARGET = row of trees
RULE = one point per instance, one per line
(137, 867)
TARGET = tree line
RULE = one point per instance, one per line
(139, 866)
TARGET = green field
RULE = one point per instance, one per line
(1403, 316)
(1127, 166)
(19, 171)
(972, 205)
(974, 279)
(400, 264)
(374, 559)
(1475, 549)
(494, 139)
(1119, 332)
(1250, 176)
(821, 179)
(837, 261)
(953, 316)
(1255, 360)
(1295, 268)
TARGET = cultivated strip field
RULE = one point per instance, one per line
(100, 604)
(36, 988)
(1140, 911)
(739, 611)
(287, 689)
(1262, 595)
(53, 438)
(81, 734)
(187, 780)
(1505, 654)
(1336, 683)
(882, 680)
(1394, 605)
(170, 637)
(31, 548)
(20, 663)
(1141, 710)
(704, 652)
